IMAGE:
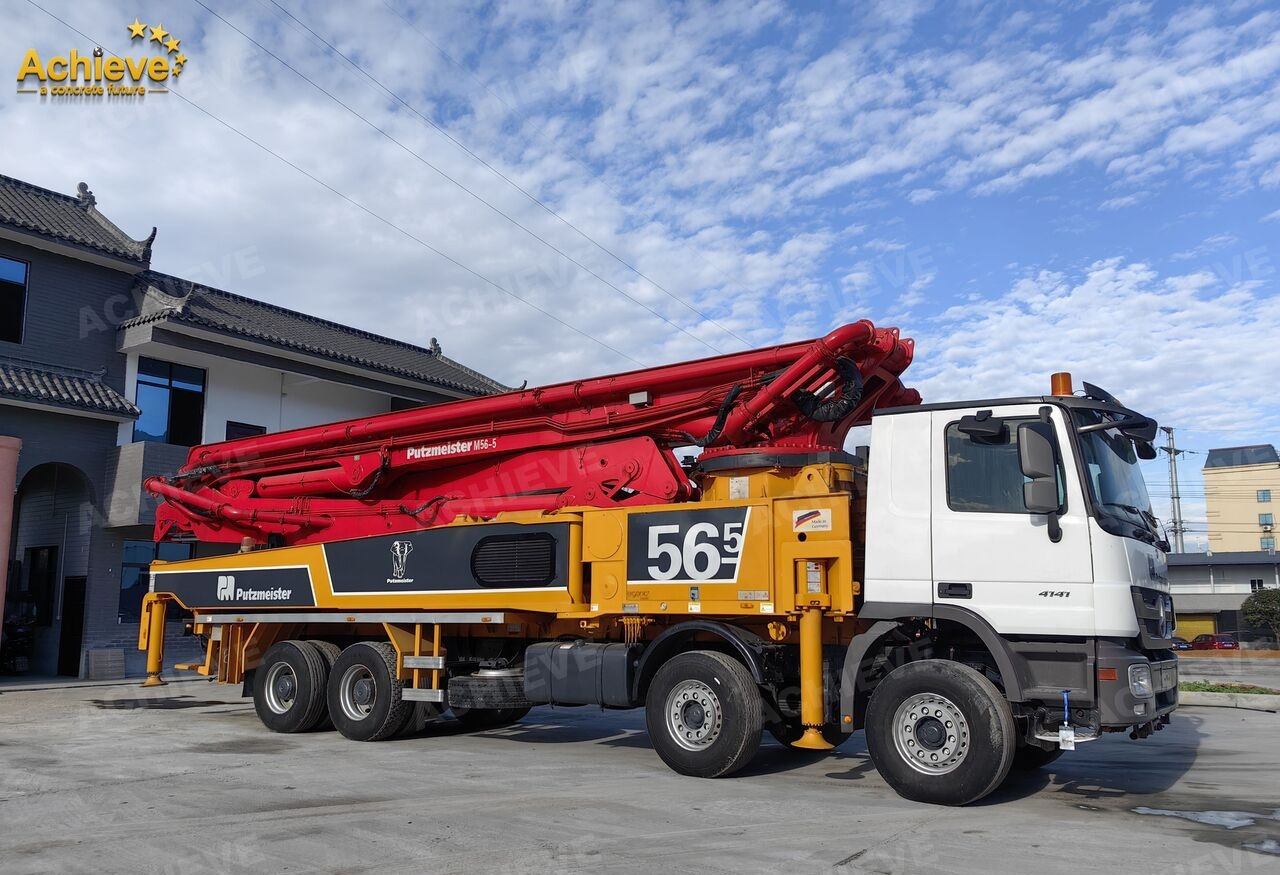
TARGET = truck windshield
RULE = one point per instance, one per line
(1111, 469)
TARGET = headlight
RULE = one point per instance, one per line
(1140, 680)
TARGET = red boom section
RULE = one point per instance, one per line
(602, 442)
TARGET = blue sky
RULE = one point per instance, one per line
(1083, 186)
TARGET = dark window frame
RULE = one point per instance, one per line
(1266, 519)
(26, 298)
(152, 380)
(143, 571)
(1264, 546)
(246, 429)
(1264, 496)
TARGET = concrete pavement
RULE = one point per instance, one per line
(119, 779)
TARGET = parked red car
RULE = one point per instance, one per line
(1214, 642)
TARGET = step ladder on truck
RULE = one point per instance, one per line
(982, 590)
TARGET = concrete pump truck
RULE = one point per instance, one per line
(982, 589)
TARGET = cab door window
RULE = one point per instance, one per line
(983, 474)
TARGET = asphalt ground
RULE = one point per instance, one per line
(114, 778)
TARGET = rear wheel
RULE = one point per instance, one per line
(940, 732)
(289, 687)
(364, 694)
(329, 655)
(704, 714)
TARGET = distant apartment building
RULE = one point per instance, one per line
(109, 373)
(1209, 588)
(1242, 492)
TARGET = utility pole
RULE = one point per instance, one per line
(1175, 500)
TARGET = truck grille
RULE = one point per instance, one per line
(1154, 611)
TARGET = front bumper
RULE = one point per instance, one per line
(1119, 707)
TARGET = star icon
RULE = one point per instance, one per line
(180, 60)
(158, 33)
(171, 44)
(137, 29)
(177, 70)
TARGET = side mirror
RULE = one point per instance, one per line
(1038, 459)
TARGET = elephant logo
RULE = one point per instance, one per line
(400, 551)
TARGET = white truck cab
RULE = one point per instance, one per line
(1017, 534)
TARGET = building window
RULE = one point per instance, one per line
(984, 475)
(135, 566)
(1267, 543)
(33, 592)
(236, 430)
(171, 398)
(1266, 519)
(13, 299)
(1255, 584)
(1264, 495)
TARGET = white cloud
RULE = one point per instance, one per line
(1118, 203)
(724, 150)
(1173, 346)
(1208, 245)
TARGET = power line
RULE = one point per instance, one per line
(498, 172)
(496, 209)
(367, 210)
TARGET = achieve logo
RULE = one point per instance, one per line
(95, 74)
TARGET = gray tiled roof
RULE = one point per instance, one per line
(68, 219)
(1233, 457)
(40, 383)
(168, 298)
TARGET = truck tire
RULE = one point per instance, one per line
(289, 687)
(704, 714)
(940, 732)
(1029, 757)
(364, 694)
(420, 714)
(329, 654)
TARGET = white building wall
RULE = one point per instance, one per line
(254, 395)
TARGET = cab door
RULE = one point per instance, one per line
(992, 556)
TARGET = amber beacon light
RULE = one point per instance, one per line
(1060, 383)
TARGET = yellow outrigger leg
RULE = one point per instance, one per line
(151, 637)
(812, 599)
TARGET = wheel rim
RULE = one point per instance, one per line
(931, 734)
(281, 688)
(357, 692)
(694, 715)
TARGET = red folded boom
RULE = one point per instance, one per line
(600, 442)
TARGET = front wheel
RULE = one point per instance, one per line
(704, 714)
(940, 732)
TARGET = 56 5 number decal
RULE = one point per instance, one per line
(686, 546)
